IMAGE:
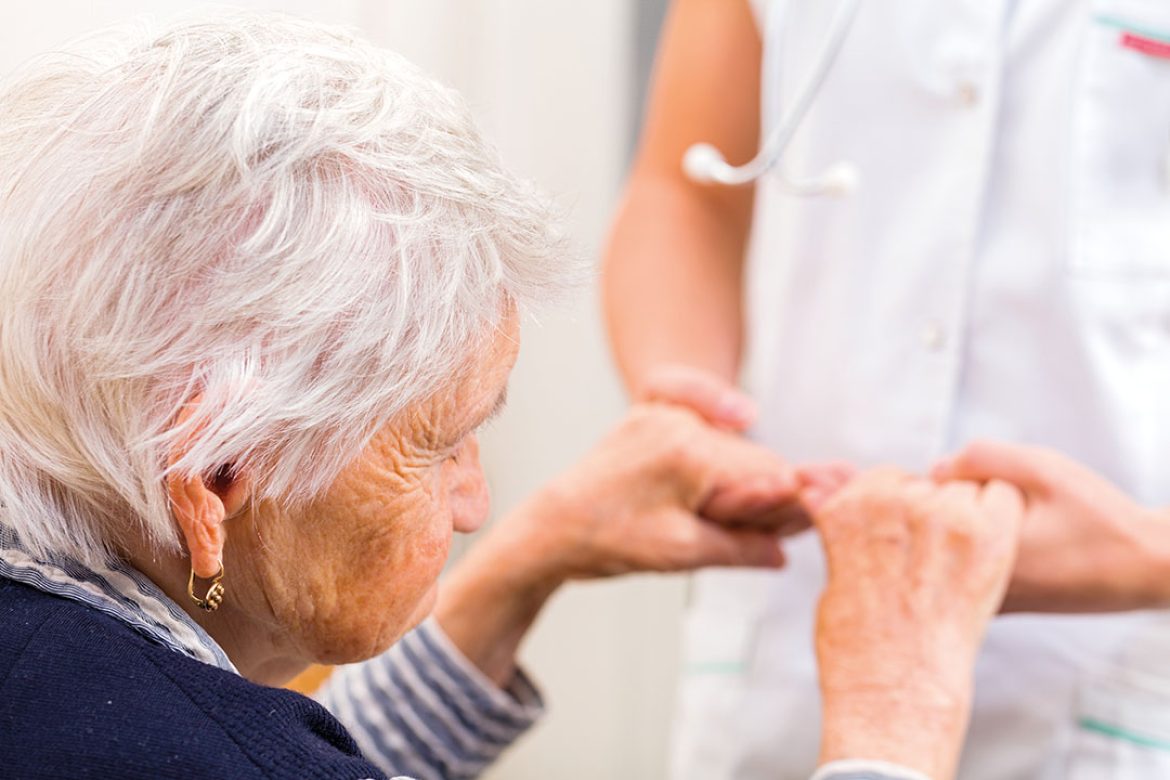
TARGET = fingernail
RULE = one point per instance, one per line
(738, 407)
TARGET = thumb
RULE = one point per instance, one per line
(708, 395)
(749, 485)
(983, 461)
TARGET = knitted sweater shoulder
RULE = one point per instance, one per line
(85, 696)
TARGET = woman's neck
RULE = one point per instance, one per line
(242, 625)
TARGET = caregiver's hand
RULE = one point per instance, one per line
(703, 392)
(725, 406)
(663, 492)
(916, 571)
(1086, 546)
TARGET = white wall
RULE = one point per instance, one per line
(551, 81)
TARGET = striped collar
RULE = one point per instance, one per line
(116, 590)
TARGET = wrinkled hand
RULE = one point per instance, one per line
(916, 571)
(1085, 546)
(667, 492)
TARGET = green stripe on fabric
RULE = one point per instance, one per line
(1109, 730)
(716, 667)
(1162, 36)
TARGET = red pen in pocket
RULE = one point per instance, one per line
(1154, 47)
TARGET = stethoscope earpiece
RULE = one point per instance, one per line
(702, 162)
(705, 164)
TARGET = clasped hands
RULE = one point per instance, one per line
(917, 565)
(675, 487)
(1084, 545)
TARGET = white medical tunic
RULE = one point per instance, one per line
(1001, 270)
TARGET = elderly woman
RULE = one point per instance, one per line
(260, 283)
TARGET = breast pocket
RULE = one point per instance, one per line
(1120, 203)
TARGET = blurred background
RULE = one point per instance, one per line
(558, 85)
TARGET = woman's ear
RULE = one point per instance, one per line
(233, 488)
(201, 506)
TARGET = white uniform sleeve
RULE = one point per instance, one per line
(866, 770)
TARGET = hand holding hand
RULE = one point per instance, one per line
(725, 406)
(663, 492)
(1085, 546)
(667, 492)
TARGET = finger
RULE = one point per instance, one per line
(785, 520)
(982, 461)
(959, 492)
(711, 397)
(768, 502)
(815, 497)
(828, 475)
(874, 490)
(820, 482)
(882, 477)
(1004, 502)
(714, 545)
(745, 483)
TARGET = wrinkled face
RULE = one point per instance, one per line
(347, 575)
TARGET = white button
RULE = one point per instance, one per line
(934, 337)
(969, 93)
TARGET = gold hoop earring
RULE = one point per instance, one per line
(214, 596)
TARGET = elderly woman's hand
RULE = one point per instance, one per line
(916, 571)
(663, 492)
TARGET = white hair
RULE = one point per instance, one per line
(299, 227)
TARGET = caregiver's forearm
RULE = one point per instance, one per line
(494, 594)
(674, 264)
(672, 282)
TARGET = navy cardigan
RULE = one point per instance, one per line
(82, 695)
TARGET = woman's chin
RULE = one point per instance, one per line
(357, 639)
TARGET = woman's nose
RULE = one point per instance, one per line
(470, 499)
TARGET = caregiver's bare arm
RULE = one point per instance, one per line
(673, 268)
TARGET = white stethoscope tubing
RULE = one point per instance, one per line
(705, 164)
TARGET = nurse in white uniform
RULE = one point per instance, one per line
(967, 238)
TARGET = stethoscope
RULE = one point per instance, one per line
(705, 164)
